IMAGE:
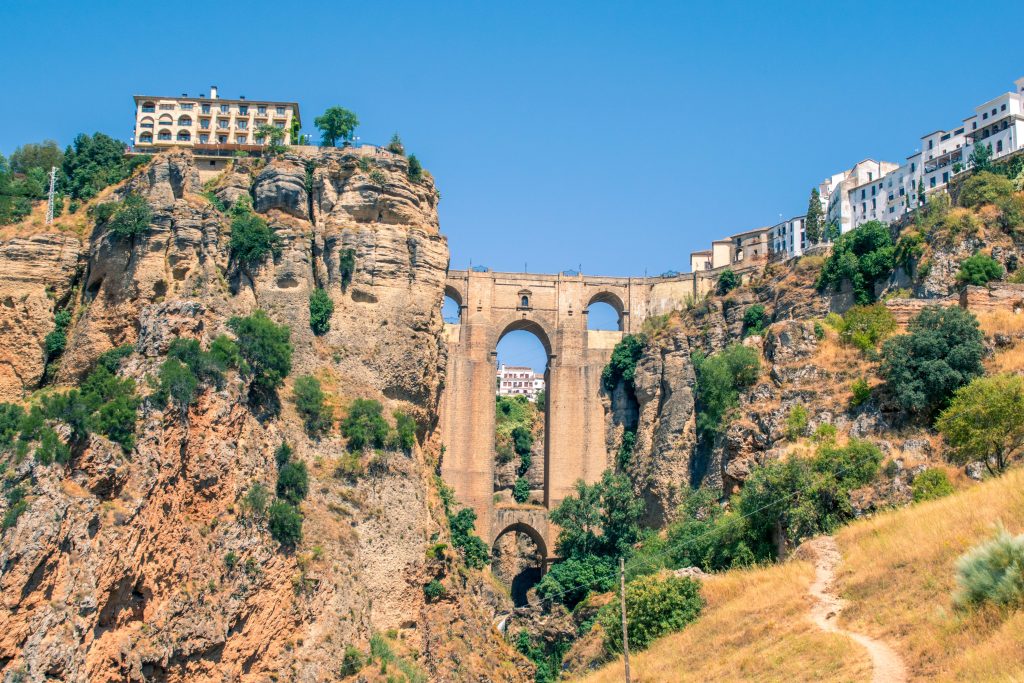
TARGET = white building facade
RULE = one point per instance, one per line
(516, 380)
(788, 238)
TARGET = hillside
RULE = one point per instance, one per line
(897, 578)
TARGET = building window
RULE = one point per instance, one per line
(999, 146)
(184, 136)
(146, 138)
(931, 144)
(259, 139)
(148, 107)
(279, 124)
(945, 177)
(524, 301)
(261, 109)
(932, 182)
(243, 109)
(1002, 108)
(164, 135)
(240, 139)
(224, 109)
(203, 138)
(146, 122)
(167, 107)
(222, 139)
(205, 109)
(184, 121)
(204, 124)
(913, 167)
(984, 116)
(222, 123)
(187, 106)
(242, 125)
(280, 110)
(974, 125)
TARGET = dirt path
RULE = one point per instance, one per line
(888, 666)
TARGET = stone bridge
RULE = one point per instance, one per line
(555, 309)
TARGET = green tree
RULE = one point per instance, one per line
(720, 377)
(755, 320)
(983, 421)
(727, 281)
(931, 484)
(979, 269)
(365, 426)
(599, 519)
(252, 240)
(254, 502)
(474, 551)
(346, 267)
(405, 426)
(320, 310)
(985, 187)
(521, 490)
(863, 256)
(177, 383)
(92, 163)
(654, 607)
(336, 124)
(132, 217)
(981, 157)
(273, 138)
(941, 353)
(43, 155)
(622, 365)
(814, 223)
(415, 172)
(317, 416)
(395, 145)
(867, 326)
(285, 523)
(796, 422)
(572, 579)
(266, 349)
(293, 482)
(921, 197)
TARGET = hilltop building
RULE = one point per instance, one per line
(515, 380)
(212, 127)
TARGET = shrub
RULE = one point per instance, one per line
(266, 349)
(405, 426)
(346, 267)
(867, 326)
(320, 309)
(51, 448)
(992, 572)
(365, 426)
(254, 502)
(103, 404)
(231, 560)
(521, 490)
(983, 421)
(111, 360)
(979, 269)
(727, 281)
(819, 331)
(705, 535)
(622, 365)
(861, 392)
(941, 353)
(654, 607)
(522, 440)
(285, 523)
(317, 417)
(395, 145)
(852, 465)
(131, 218)
(983, 188)
(755, 320)
(252, 240)
(293, 482)
(825, 433)
(863, 256)
(474, 551)
(796, 422)
(433, 590)
(282, 454)
(571, 580)
(57, 339)
(415, 173)
(625, 453)
(352, 662)
(931, 484)
(16, 505)
(720, 377)
(602, 518)
(177, 384)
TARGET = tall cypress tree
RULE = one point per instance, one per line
(815, 218)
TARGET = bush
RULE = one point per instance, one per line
(755, 320)
(720, 377)
(727, 281)
(317, 417)
(931, 484)
(983, 188)
(282, 454)
(825, 433)
(622, 365)
(177, 384)
(16, 505)
(285, 523)
(941, 353)
(415, 173)
(979, 270)
(819, 331)
(405, 426)
(103, 404)
(992, 573)
(861, 392)
(867, 326)
(522, 440)
(365, 426)
(266, 349)
(51, 448)
(92, 163)
(231, 559)
(852, 465)
(132, 217)
(863, 256)
(654, 607)
(346, 267)
(254, 502)
(352, 662)
(320, 309)
(111, 360)
(705, 535)
(433, 590)
(983, 422)
(571, 580)
(293, 482)
(602, 518)
(252, 240)
(474, 551)
(521, 490)
(796, 422)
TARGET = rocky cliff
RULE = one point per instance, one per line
(119, 567)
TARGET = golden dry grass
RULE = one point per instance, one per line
(897, 576)
(755, 628)
(1001, 322)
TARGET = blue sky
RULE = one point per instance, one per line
(616, 136)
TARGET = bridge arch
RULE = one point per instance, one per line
(524, 528)
(611, 299)
(534, 327)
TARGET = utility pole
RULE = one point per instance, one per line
(49, 202)
(622, 607)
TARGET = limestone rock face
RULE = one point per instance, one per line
(35, 273)
(143, 565)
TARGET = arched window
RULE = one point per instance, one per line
(164, 135)
(524, 301)
(146, 137)
(184, 120)
(166, 120)
(148, 107)
(146, 122)
(184, 136)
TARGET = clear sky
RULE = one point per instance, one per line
(616, 136)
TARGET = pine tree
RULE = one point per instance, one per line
(920, 193)
(815, 219)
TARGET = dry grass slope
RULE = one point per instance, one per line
(897, 576)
